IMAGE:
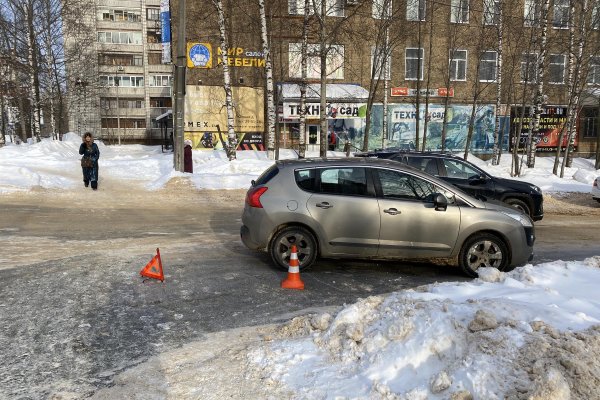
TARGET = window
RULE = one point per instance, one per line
(588, 122)
(593, 77)
(378, 68)
(153, 37)
(529, 67)
(491, 11)
(306, 179)
(557, 68)
(461, 170)
(154, 58)
(120, 59)
(414, 64)
(160, 80)
(152, 14)
(398, 185)
(118, 15)
(382, 9)
(334, 62)
(120, 37)
(121, 80)
(459, 11)
(561, 14)
(487, 66)
(335, 8)
(415, 10)
(458, 65)
(532, 13)
(138, 60)
(349, 181)
(160, 102)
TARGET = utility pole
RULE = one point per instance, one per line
(117, 84)
(178, 110)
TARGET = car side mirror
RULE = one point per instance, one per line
(477, 179)
(253, 182)
(440, 201)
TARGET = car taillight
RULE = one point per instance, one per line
(253, 196)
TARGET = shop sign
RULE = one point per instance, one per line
(240, 57)
(404, 92)
(552, 121)
(199, 55)
(334, 110)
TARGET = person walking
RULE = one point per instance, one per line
(188, 162)
(89, 161)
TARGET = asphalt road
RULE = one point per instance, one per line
(75, 311)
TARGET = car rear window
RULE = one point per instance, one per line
(267, 175)
(305, 179)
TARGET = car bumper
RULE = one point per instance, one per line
(247, 239)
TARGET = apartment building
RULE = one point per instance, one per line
(120, 84)
(443, 58)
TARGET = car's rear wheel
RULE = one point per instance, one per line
(519, 205)
(281, 246)
(483, 250)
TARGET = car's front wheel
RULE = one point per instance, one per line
(519, 205)
(483, 250)
(281, 246)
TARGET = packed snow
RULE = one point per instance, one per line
(533, 333)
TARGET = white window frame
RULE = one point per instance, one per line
(151, 12)
(459, 11)
(454, 62)
(335, 62)
(533, 67)
(594, 71)
(562, 65)
(387, 73)
(382, 9)
(491, 11)
(160, 81)
(494, 62)
(406, 62)
(335, 8)
(532, 13)
(416, 10)
(560, 17)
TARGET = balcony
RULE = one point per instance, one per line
(118, 25)
(159, 91)
(128, 69)
(166, 69)
(121, 48)
(154, 46)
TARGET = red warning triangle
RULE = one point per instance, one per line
(154, 268)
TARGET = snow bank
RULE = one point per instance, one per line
(531, 333)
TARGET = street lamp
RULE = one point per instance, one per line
(117, 79)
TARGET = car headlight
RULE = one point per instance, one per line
(536, 189)
(522, 218)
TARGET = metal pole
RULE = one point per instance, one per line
(117, 84)
(178, 110)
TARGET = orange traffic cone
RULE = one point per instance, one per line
(154, 268)
(293, 280)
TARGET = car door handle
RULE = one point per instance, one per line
(324, 205)
(392, 211)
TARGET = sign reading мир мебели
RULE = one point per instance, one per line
(201, 55)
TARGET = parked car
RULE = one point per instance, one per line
(377, 209)
(471, 179)
(596, 189)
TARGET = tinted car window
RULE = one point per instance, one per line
(306, 179)
(343, 181)
(267, 175)
(458, 169)
(398, 185)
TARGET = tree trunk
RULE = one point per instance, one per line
(34, 88)
(323, 103)
(497, 150)
(231, 146)
(269, 82)
(470, 131)
(304, 73)
(539, 95)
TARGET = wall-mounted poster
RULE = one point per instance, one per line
(552, 121)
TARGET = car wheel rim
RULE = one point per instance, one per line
(303, 248)
(484, 253)
(521, 208)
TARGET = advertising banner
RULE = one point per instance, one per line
(205, 110)
(404, 91)
(199, 55)
(165, 31)
(552, 121)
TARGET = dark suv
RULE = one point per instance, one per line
(473, 180)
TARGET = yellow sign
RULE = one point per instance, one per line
(240, 57)
(199, 55)
(205, 109)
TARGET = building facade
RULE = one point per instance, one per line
(441, 59)
(117, 82)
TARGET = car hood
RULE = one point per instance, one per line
(517, 185)
(497, 205)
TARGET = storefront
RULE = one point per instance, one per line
(346, 110)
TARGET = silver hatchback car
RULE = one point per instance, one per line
(378, 209)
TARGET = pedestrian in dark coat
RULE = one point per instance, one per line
(188, 163)
(89, 161)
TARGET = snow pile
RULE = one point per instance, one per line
(55, 165)
(529, 334)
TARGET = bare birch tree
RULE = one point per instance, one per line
(269, 82)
